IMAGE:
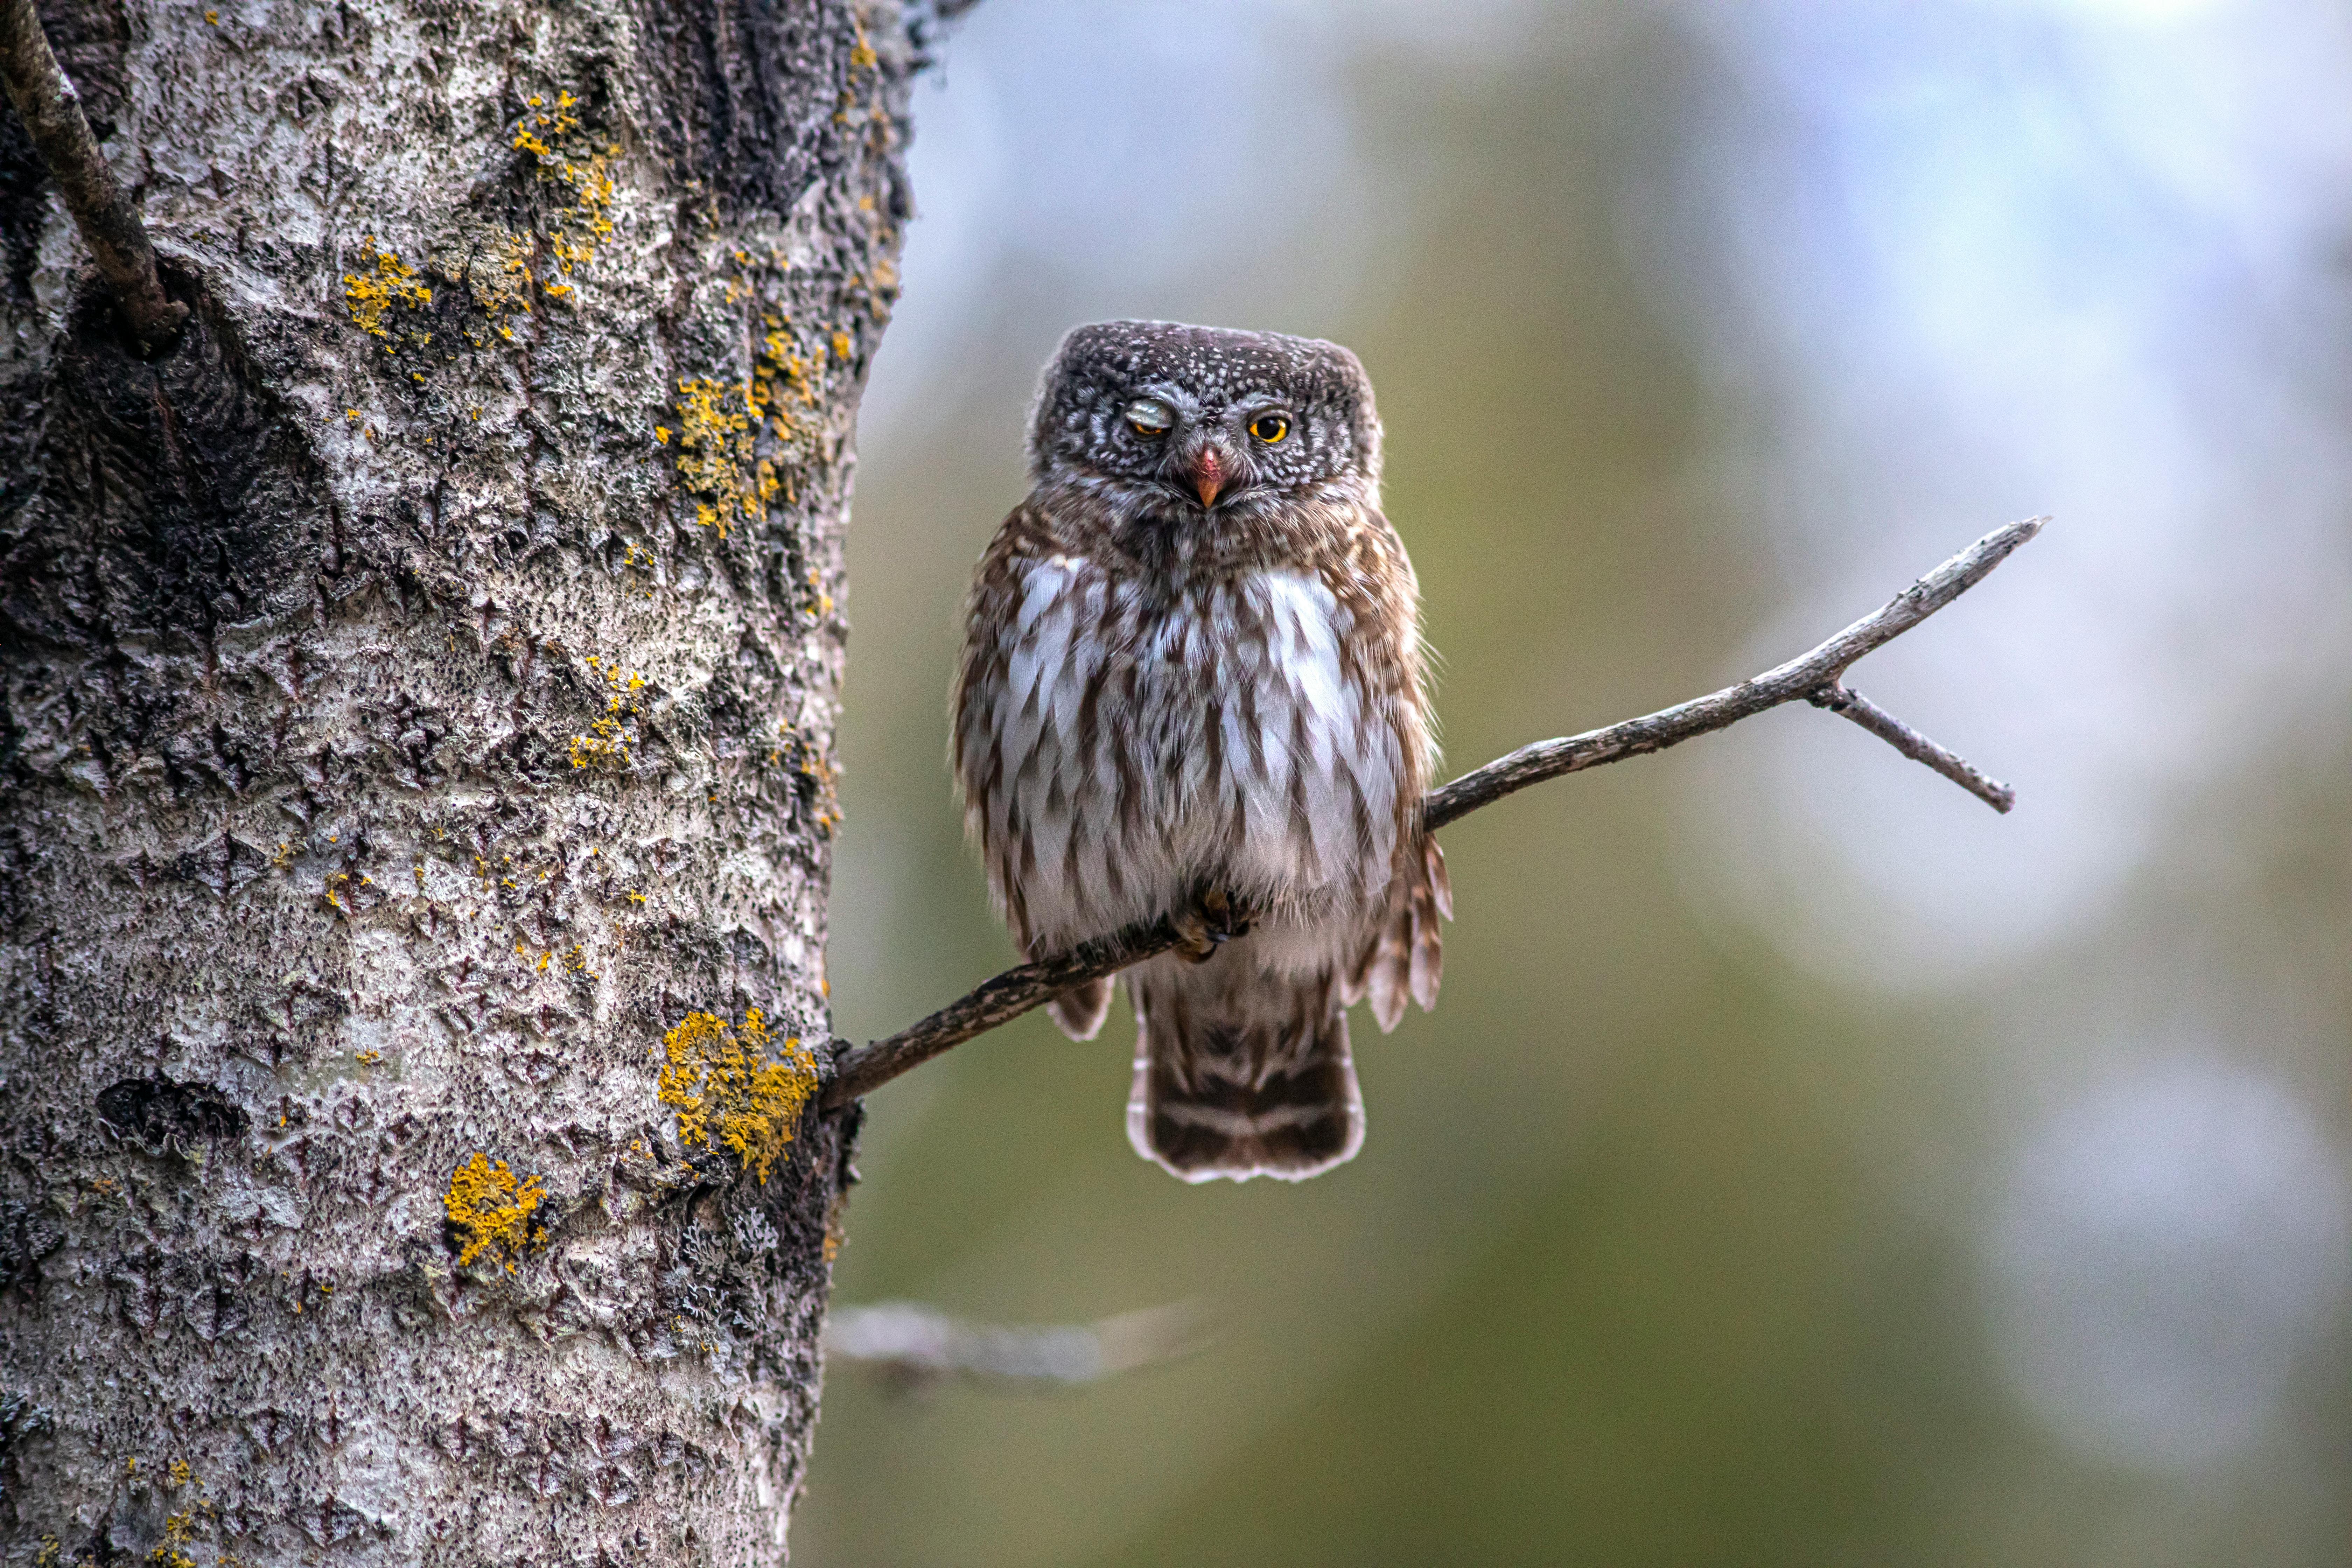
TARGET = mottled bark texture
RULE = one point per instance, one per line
(419, 696)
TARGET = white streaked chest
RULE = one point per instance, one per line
(1150, 739)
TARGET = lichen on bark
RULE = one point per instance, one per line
(396, 743)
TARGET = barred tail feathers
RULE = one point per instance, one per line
(1241, 1073)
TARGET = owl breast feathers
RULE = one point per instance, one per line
(1193, 683)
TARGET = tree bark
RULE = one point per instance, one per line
(416, 713)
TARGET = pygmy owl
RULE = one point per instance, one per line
(1192, 682)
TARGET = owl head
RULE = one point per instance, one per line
(1203, 418)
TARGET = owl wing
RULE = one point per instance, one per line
(1080, 1010)
(978, 756)
(977, 744)
(1406, 954)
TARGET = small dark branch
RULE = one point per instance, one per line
(1817, 677)
(1854, 705)
(865, 1068)
(914, 1347)
(101, 208)
(1796, 680)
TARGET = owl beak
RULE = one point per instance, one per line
(1209, 476)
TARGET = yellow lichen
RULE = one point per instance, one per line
(720, 425)
(606, 744)
(715, 444)
(184, 1528)
(384, 281)
(585, 173)
(179, 1529)
(736, 1086)
(819, 772)
(491, 1210)
(502, 281)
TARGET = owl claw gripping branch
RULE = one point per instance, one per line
(1192, 680)
(1212, 919)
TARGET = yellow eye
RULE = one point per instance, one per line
(1149, 416)
(1269, 427)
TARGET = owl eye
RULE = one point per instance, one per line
(1269, 427)
(1149, 416)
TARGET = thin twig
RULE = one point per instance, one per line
(46, 102)
(1817, 677)
(1797, 680)
(914, 1346)
(1849, 703)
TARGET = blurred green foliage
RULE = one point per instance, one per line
(1621, 1277)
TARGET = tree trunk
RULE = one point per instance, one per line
(418, 707)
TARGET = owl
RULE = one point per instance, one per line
(1193, 682)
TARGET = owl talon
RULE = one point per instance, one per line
(1214, 918)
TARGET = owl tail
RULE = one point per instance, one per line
(1240, 1073)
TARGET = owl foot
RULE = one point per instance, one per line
(1214, 918)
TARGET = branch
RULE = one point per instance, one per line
(1851, 704)
(101, 208)
(1810, 678)
(1817, 677)
(861, 1069)
(914, 1346)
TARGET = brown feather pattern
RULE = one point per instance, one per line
(1159, 700)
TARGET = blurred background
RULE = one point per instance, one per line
(1804, 1165)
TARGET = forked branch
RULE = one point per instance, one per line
(1817, 677)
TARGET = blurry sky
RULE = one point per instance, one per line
(1804, 1165)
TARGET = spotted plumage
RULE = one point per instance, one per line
(1192, 682)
